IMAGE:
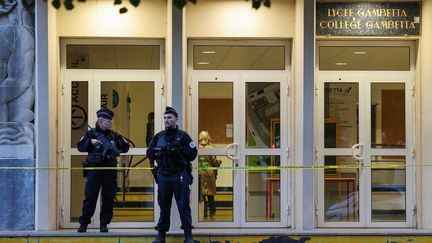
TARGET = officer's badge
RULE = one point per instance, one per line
(192, 145)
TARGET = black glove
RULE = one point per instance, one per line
(158, 152)
(173, 150)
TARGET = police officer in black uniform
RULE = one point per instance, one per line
(172, 151)
(103, 146)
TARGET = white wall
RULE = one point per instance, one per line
(99, 18)
(237, 18)
(425, 159)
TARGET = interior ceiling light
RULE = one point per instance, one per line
(359, 53)
(208, 52)
(341, 63)
(203, 63)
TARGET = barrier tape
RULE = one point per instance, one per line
(245, 168)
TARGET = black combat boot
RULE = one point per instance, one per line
(160, 237)
(82, 228)
(188, 236)
(103, 228)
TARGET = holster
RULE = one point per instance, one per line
(154, 171)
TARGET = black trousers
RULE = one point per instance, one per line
(95, 181)
(176, 185)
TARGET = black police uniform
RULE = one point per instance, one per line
(98, 156)
(172, 150)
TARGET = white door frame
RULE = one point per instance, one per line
(364, 79)
(239, 126)
(94, 77)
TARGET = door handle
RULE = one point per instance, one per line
(354, 155)
(233, 156)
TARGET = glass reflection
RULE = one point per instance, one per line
(79, 110)
(263, 190)
(388, 186)
(133, 106)
(77, 188)
(231, 57)
(387, 115)
(135, 193)
(340, 115)
(113, 56)
(341, 195)
(263, 115)
(216, 112)
(215, 189)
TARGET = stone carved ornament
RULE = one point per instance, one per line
(17, 59)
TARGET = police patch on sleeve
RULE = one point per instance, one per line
(192, 145)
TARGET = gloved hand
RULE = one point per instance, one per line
(173, 150)
(158, 152)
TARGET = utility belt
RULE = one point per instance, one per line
(97, 159)
(169, 171)
(85, 164)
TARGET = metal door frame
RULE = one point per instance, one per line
(365, 79)
(94, 77)
(239, 78)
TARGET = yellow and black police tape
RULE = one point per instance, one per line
(244, 168)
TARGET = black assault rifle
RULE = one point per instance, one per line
(109, 147)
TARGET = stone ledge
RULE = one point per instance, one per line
(17, 151)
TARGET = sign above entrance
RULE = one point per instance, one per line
(368, 19)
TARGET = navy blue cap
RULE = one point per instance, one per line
(170, 110)
(105, 113)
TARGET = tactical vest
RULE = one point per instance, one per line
(168, 164)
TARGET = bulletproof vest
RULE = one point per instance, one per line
(169, 164)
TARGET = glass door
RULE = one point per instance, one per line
(215, 196)
(264, 149)
(365, 130)
(245, 116)
(136, 99)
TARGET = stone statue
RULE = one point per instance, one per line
(17, 59)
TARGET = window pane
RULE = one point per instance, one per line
(77, 188)
(396, 58)
(388, 189)
(216, 112)
(340, 115)
(387, 115)
(133, 104)
(215, 190)
(341, 195)
(135, 193)
(263, 190)
(263, 115)
(79, 111)
(239, 57)
(113, 57)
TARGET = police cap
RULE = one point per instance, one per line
(170, 110)
(105, 113)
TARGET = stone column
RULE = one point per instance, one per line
(17, 55)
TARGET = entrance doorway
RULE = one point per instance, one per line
(365, 127)
(112, 76)
(245, 112)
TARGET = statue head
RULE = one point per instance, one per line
(7, 6)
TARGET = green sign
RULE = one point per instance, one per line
(368, 19)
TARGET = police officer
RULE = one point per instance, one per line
(103, 146)
(172, 151)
